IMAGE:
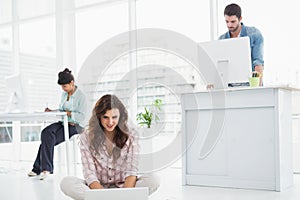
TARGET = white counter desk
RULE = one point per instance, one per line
(38, 116)
(240, 138)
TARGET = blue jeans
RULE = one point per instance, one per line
(51, 136)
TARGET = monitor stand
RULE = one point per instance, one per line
(13, 104)
(222, 69)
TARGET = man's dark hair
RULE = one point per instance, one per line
(233, 9)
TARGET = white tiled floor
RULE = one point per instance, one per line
(15, 185)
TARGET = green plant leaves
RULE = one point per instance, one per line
(145, 118)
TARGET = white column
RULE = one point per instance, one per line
(16, 142)
(15, 38)
(65, 35)
(133, 55)
(213, 5)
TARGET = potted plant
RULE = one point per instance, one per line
(147, 130)
(149, 115)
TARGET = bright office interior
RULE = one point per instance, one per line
(38, 38)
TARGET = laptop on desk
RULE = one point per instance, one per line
(140, 193)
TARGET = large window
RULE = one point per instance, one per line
(5, 11)
(97, 25)
(38, 64)
(94, 28)
(5, 62)
(28, 48)
(38, 37)
(190, 18)
(33, 8)
(161, 73)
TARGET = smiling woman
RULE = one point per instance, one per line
(113, 132)
(109, 153)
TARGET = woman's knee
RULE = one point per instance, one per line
(65, 184)
(45, 134)
(47, 131)
(152, 181)
(73, 187)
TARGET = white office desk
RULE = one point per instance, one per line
(239, 137)
(40, 116)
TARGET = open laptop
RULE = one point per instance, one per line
(140, 193)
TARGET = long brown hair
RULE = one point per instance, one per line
(96, 130)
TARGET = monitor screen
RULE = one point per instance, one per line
(17, 100)
(231, 58)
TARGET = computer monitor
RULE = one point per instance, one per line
(17, 98)
(232, 59)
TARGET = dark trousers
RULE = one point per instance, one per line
(51, 136)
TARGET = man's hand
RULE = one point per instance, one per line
(260, 70)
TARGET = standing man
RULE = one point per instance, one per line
(233, 19)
